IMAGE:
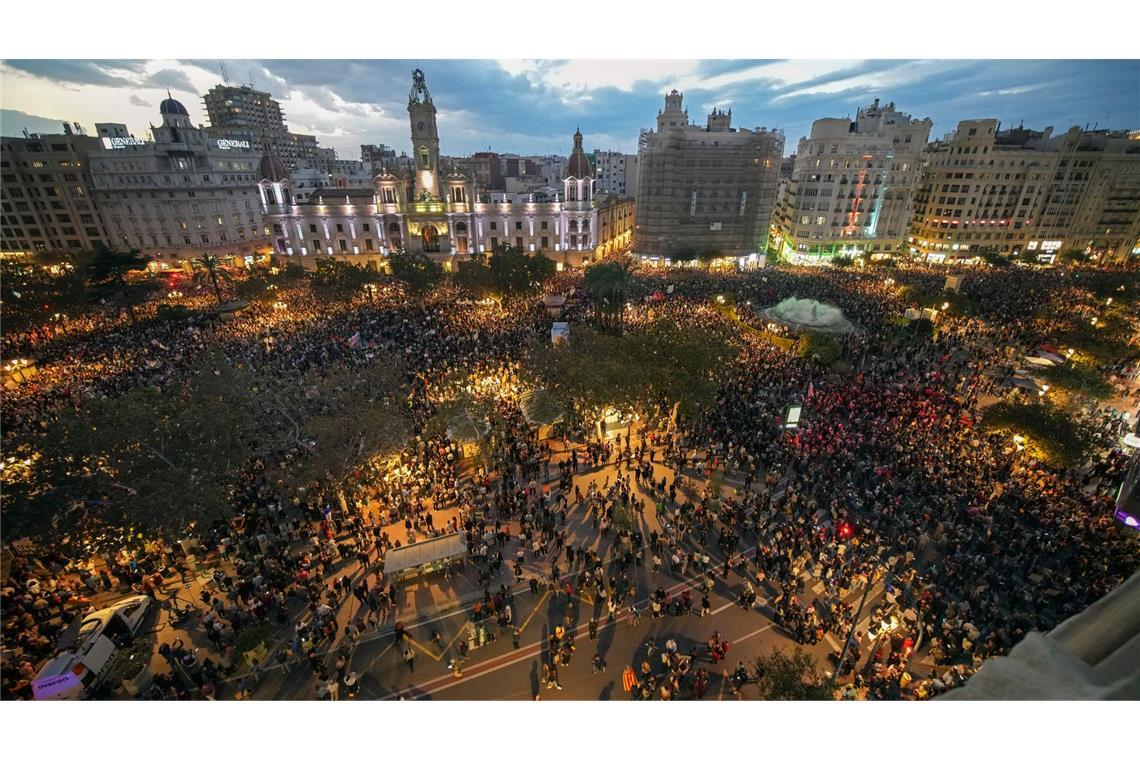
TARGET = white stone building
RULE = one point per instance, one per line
(182, 195)
(421, 211)
(853, 185)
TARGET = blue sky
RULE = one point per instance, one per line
(534, 106)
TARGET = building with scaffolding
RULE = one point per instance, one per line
(852, 187)
(704, 189)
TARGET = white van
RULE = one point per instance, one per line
(89, 647)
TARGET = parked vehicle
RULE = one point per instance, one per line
(89, 646)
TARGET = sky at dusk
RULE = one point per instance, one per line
(533, 107)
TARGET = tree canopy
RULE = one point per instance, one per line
(417, 270)
(339, 280)
(1077, 378)
(610, 284)
(782, 676)
(821, 347)
(665, 362)
(1051, 434)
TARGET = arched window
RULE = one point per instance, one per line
(461, 227)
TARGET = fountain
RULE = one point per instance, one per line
(801, 314)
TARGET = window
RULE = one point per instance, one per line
(518, 225)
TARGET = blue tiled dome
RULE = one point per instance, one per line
(172, 106)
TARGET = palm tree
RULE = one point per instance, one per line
(610, 284)
(212, 265)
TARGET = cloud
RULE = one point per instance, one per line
(13, 123)
(171, 79)
(533, 106)
(77, 72)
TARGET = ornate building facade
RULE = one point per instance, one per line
(423, 212)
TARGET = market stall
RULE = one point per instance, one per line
(425, 557)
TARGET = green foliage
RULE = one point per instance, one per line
(417, 270)
(794, 676)
(168, 312)
(993, 258)
(214, 272)
(517, 273)
(610, 285)
(162, 457)
(1053, 436)
(474, 276)
(821, 347)
(665, 362)
(1073, 257)
(255, 288)
(339, 280)
(108, 274)
(31, 296)
(922, 329)
(1077, 378)
(1105, 343)
(507, 272)
(251, 638)
(149, 456)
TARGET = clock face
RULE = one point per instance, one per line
(420, 126)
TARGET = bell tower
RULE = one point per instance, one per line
(425, 137)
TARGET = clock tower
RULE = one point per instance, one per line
(425, 137)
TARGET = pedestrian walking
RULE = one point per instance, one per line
(410, 658)
(599, 664)
(593, 628)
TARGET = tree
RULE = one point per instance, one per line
(341, 416)
(610, 285)
(993, 258)
(665, 363)
(1077, 378)
(340, 280)
(821, 347)
(417, 270)
(257, 286)
(794, 676)
(32, 295)
(1050, 434)
(215, 272)
(474, 276)
(108, 272)
(155, 456)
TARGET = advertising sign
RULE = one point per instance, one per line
(118, 143)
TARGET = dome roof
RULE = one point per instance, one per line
(272, 168)
(172, 106)
(578, 166)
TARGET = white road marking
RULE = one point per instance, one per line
(750, 635)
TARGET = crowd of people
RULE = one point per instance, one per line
(888, 482)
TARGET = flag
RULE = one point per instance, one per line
(628, 678)
(354, 341)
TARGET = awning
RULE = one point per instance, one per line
(1049, 356)
(424, 552)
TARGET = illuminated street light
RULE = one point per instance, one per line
(945, 305)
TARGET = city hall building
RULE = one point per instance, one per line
(424, 211)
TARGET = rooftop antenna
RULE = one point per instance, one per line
(225, 76)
